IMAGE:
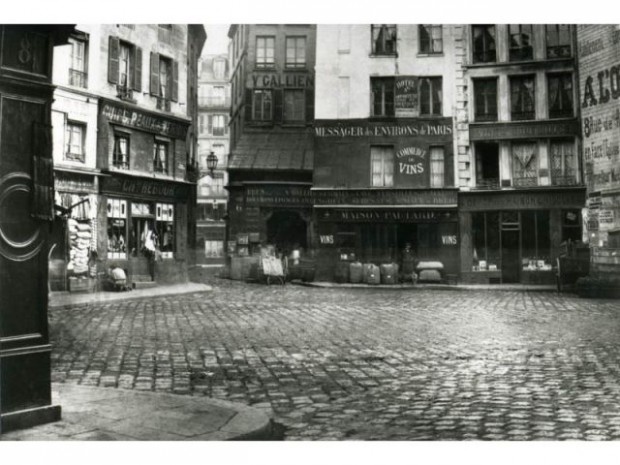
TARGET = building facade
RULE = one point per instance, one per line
(124, 144)
(599, 84)
(214, 105)
(384, 167)
(520, 177)
(271, 160)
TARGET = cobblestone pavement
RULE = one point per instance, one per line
(364, 364)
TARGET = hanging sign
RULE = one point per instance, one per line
(406, 96)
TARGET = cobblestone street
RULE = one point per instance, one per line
(364, 363)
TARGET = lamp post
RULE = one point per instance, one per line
(212, 162)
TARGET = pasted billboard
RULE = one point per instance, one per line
(599, 76)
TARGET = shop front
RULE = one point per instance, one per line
(143, 228)
(385, 227)
(515, 237)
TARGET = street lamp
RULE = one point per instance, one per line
(212, 162)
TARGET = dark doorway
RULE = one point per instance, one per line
(287, 230)
(510, 256)
(487, 165)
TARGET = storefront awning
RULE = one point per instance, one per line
(275, 150)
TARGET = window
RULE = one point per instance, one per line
(142, 237)
(383, 39)
(77, 71)
(165, 77)
(382, 166)
(487, 165)
(522, 98)
(164, 80)
(262, 105)
(437, 167)
(163, 32)
(160, 156)
(219, 68)
(484, 43)
(558, 40)
(76, 133)
(560, 95)
(521, 42)
(120, 155)
(117, 228)
(295, 52)
(219, 95)
(125, 65)
(294, 106)
(382, 96)
(524, 164)
(562, 155)
(485, 239)
(430, 96)
(265, 54)
(485, 99)
(571, 225)
(217, 125)
(164, 229)
(431, 40)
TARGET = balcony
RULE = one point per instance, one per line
(77, 78)
(163, 104)
(214, 102)
(525, 182)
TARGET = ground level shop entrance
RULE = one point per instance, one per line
(515, 237)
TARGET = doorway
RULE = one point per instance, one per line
(487, 165)
(511, 262)
(287, 230)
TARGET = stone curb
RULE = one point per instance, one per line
(439, 287)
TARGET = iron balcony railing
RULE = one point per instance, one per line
(491, 183)
(77, 78)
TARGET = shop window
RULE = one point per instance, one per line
(485, 99)
(521, 40)
(78, 57)
(294, 106)
(76, 135)
(160, 156)
(295, 52)
(142, 238)
(120, 154)
(431, 40)
(487, 165)
(485, 241)
(214, 249)
(382, 96)
(218, 94)
(383, 39)
(265, 54)
(217, 125)
(124, 67)
(437, 167)
(117, 228)
(217, 184)
(164, 229)
(430, 96)
(535, 240)
(262, 105)
(571, 225)
(522, 98)
(560, 95)
(382, 166)
(524, 164)
(562, 154)
(484, 43)
(558, 40)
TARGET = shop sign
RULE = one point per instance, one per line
(387, 216)
(406, 96)
(449, 240)
(271, 81)
(144, 188)
(502, 131)
(411, 160)
(606, 216)
(522, 200)
(430, 128)
(411, 197)
(326, 239)
(69, 182)
(278, 195)
(144, 121)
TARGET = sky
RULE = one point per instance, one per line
(217, 39)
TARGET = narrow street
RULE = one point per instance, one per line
(364, 363)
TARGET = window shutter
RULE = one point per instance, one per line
(210, 125)
(113, 65)
(154, 79)
(248, 104)
(278, 108)
(309, 105)
(175, 81)
(137, 70)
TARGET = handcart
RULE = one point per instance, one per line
(273, 270)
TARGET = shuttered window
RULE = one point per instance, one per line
(382, 166)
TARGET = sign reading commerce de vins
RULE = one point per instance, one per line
(140, 120)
